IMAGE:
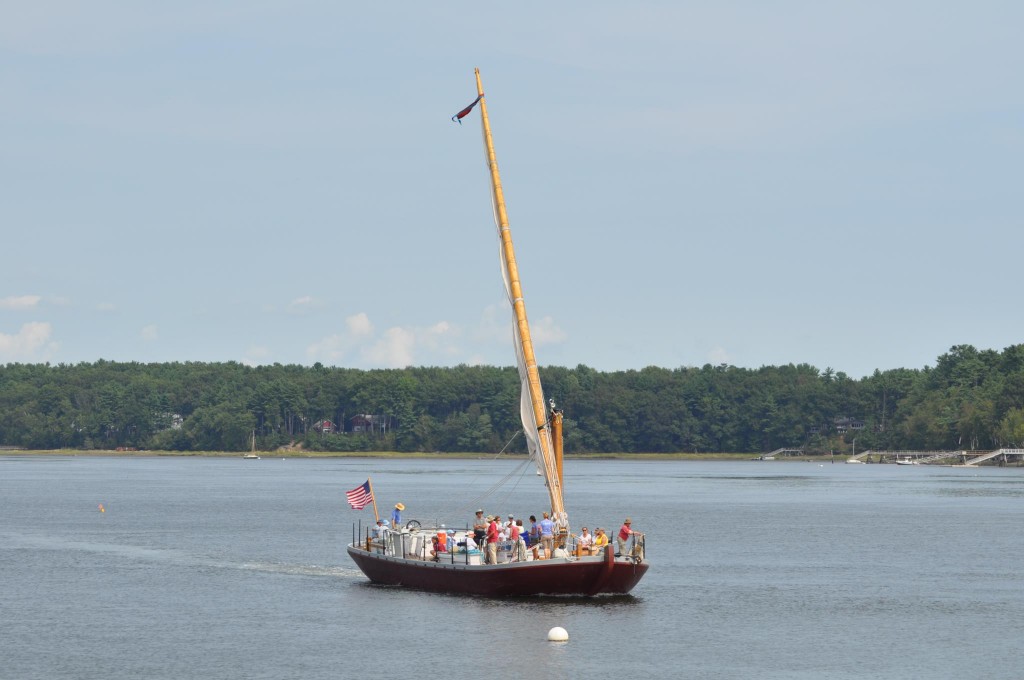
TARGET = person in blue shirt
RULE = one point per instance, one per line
(547, 536)
(396, 516)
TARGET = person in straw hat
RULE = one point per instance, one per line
(624, 533)
(396, 516)
(479, 527)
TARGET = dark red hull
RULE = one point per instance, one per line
(586, 576)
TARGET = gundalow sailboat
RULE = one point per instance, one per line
(410, 556)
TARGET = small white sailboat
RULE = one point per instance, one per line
(252, 455)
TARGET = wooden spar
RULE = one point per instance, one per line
(373, 497)
(551, 475)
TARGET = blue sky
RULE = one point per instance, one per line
(747, 183)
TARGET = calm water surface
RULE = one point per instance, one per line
(225, 568)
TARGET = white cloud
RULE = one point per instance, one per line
(331, 349)
(334, 348)
(303, 304)
(441, 340)
(20, 302)
(546, 332)
(495, 327)
(402, 346)
(718, 355)
(149, 333)
(394, 350)
(396, 347)
(32, 342)
(256, 355)
(359, 325)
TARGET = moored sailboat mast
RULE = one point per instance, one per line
(533, 408)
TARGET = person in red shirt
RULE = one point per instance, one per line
(624, 533)
(492, 540)
(442, 540)
(518, 544)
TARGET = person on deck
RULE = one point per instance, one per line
(586, 541)
(479, 527)
(624, 533)
(534, 529)
(524, 535)
(600, 540)
(492, 540)
(518, 542)
(547, 536)
(378, 532)
(396, 516)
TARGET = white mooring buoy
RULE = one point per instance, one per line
(558, 634)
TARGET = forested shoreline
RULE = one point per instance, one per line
(971, 399)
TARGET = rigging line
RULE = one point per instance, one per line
(501, 482)
(505, 501)
(489, 492)
(518, 432)
(476, 500)
(494, 488)
(514, 486)
(479, 499)
(450, 510)
(503, 449)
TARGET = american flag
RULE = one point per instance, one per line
(360, 497)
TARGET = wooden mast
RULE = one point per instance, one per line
(551, 474)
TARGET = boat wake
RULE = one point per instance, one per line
(299, 569)
(173, 556)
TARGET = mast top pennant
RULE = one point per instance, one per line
(457, 118)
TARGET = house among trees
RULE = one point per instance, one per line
(843, 424)
(324, 427)
(365, 422)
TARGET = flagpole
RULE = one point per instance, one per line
(373, 498)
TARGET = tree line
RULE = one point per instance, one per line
(971, 399)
